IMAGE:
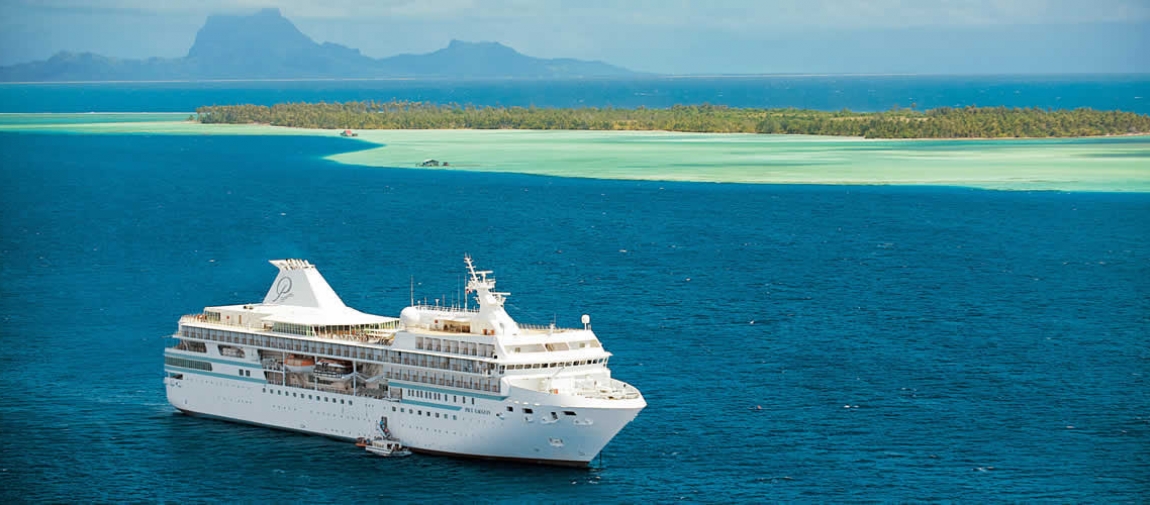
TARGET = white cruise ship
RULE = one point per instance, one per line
(444, 380)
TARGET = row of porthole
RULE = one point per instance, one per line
(224, 383)
(309, 397)
(402, 410)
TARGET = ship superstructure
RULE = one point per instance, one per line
(450, 380)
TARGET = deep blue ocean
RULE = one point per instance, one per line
(904, 343)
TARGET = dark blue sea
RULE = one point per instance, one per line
(904, 343)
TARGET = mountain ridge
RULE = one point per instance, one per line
(266, 45)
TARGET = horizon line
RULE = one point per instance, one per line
(590, 78)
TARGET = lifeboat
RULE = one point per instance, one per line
(299, 364)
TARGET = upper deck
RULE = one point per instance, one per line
(472, 348)
(300, 306)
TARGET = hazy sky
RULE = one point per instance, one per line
(662, 36)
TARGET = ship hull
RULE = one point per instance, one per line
(466, 425)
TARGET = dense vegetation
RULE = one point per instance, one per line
(945, 122)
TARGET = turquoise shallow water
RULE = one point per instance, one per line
(1075, 164)
(994, 343)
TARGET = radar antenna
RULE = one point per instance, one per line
(482, 285)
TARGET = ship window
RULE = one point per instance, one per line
(349, 403)
(528, 411)
(393, 409)
(341, 401)
(429, 413)
(568, 413)
(325, 399)
(419, 412)
(473, 401)
(188, 363)
(453, 418)
(554, 416)
(510, 408)
(454, 399)
(437, 415)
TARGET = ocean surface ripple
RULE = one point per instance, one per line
(903, 343)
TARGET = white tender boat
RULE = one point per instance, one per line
(387, 448)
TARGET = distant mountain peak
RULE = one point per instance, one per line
(266, 31)
(265, 44)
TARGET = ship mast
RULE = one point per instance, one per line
(483, 286)
(491, 313)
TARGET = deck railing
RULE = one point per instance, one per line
(369, 335)
(546, 328)
(446, 308)
(612, 390)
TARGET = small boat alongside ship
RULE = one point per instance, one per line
(386, 447)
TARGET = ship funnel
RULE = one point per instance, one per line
(301, 285)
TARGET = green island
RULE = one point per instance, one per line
(940, 123)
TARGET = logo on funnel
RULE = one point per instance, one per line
(283, 290)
